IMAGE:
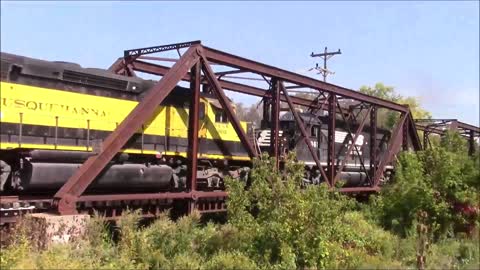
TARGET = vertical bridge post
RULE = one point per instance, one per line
(275, 124)
(66, 197)
(405, 136)
(373, 141)
(193, 115)
(332, 102)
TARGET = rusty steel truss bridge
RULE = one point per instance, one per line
(195, 66)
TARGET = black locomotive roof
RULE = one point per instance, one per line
(69, 72)
(87, 77)
(306, 117)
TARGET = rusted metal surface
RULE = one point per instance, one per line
(223, 73)
(316, 106)
(194, 195)
(393, 148)
(360, 189)
(117, 65)
(349, 132)
(67, 195)
(244, 65)
(199, 57)
(274, 118)
(211, 206)
(439, 127)
(468, 127)
(193, 118)
(331, 156)
(405, 137)
(164, 59)
(373, 141)
(305, 136)
(412, 133)
(287, 76)
(352, 145)
(162, 48)
(210, 76)
(155, 69)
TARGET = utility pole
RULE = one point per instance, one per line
(325, 56)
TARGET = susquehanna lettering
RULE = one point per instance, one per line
(52, 107)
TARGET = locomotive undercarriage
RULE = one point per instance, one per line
(352, 176)
(30, 178)
(45, 171)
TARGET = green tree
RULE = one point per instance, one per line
(382, 91)
(250, 114)
(388, 118)
(443, 181)
(276, 222)
(292, 226)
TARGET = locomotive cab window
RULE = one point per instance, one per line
(201, 111)
(288, 125)
(220, 115)
(314, 131)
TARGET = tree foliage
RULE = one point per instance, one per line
(389, 118)
(249, 114)
(276, 222)
(443, 181)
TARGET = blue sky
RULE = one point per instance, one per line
(425, 49)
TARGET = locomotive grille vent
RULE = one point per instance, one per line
(4, 69)
(94, 80)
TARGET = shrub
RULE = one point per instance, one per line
(292, 226)
(230, 260)
(275, 222)
(443, 181)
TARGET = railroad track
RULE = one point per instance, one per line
(13, 207)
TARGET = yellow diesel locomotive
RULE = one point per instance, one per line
(55, 114)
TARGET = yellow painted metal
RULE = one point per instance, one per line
(42, 106)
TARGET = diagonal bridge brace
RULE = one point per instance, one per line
(210, 76)
(405, 133)
(300, 124)
(66, 197)
(352, 145)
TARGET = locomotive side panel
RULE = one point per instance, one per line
(54, 114)
(54, 119)
(74, 120)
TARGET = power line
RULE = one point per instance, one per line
(325, 56)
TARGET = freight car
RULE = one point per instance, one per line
(54, 115)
